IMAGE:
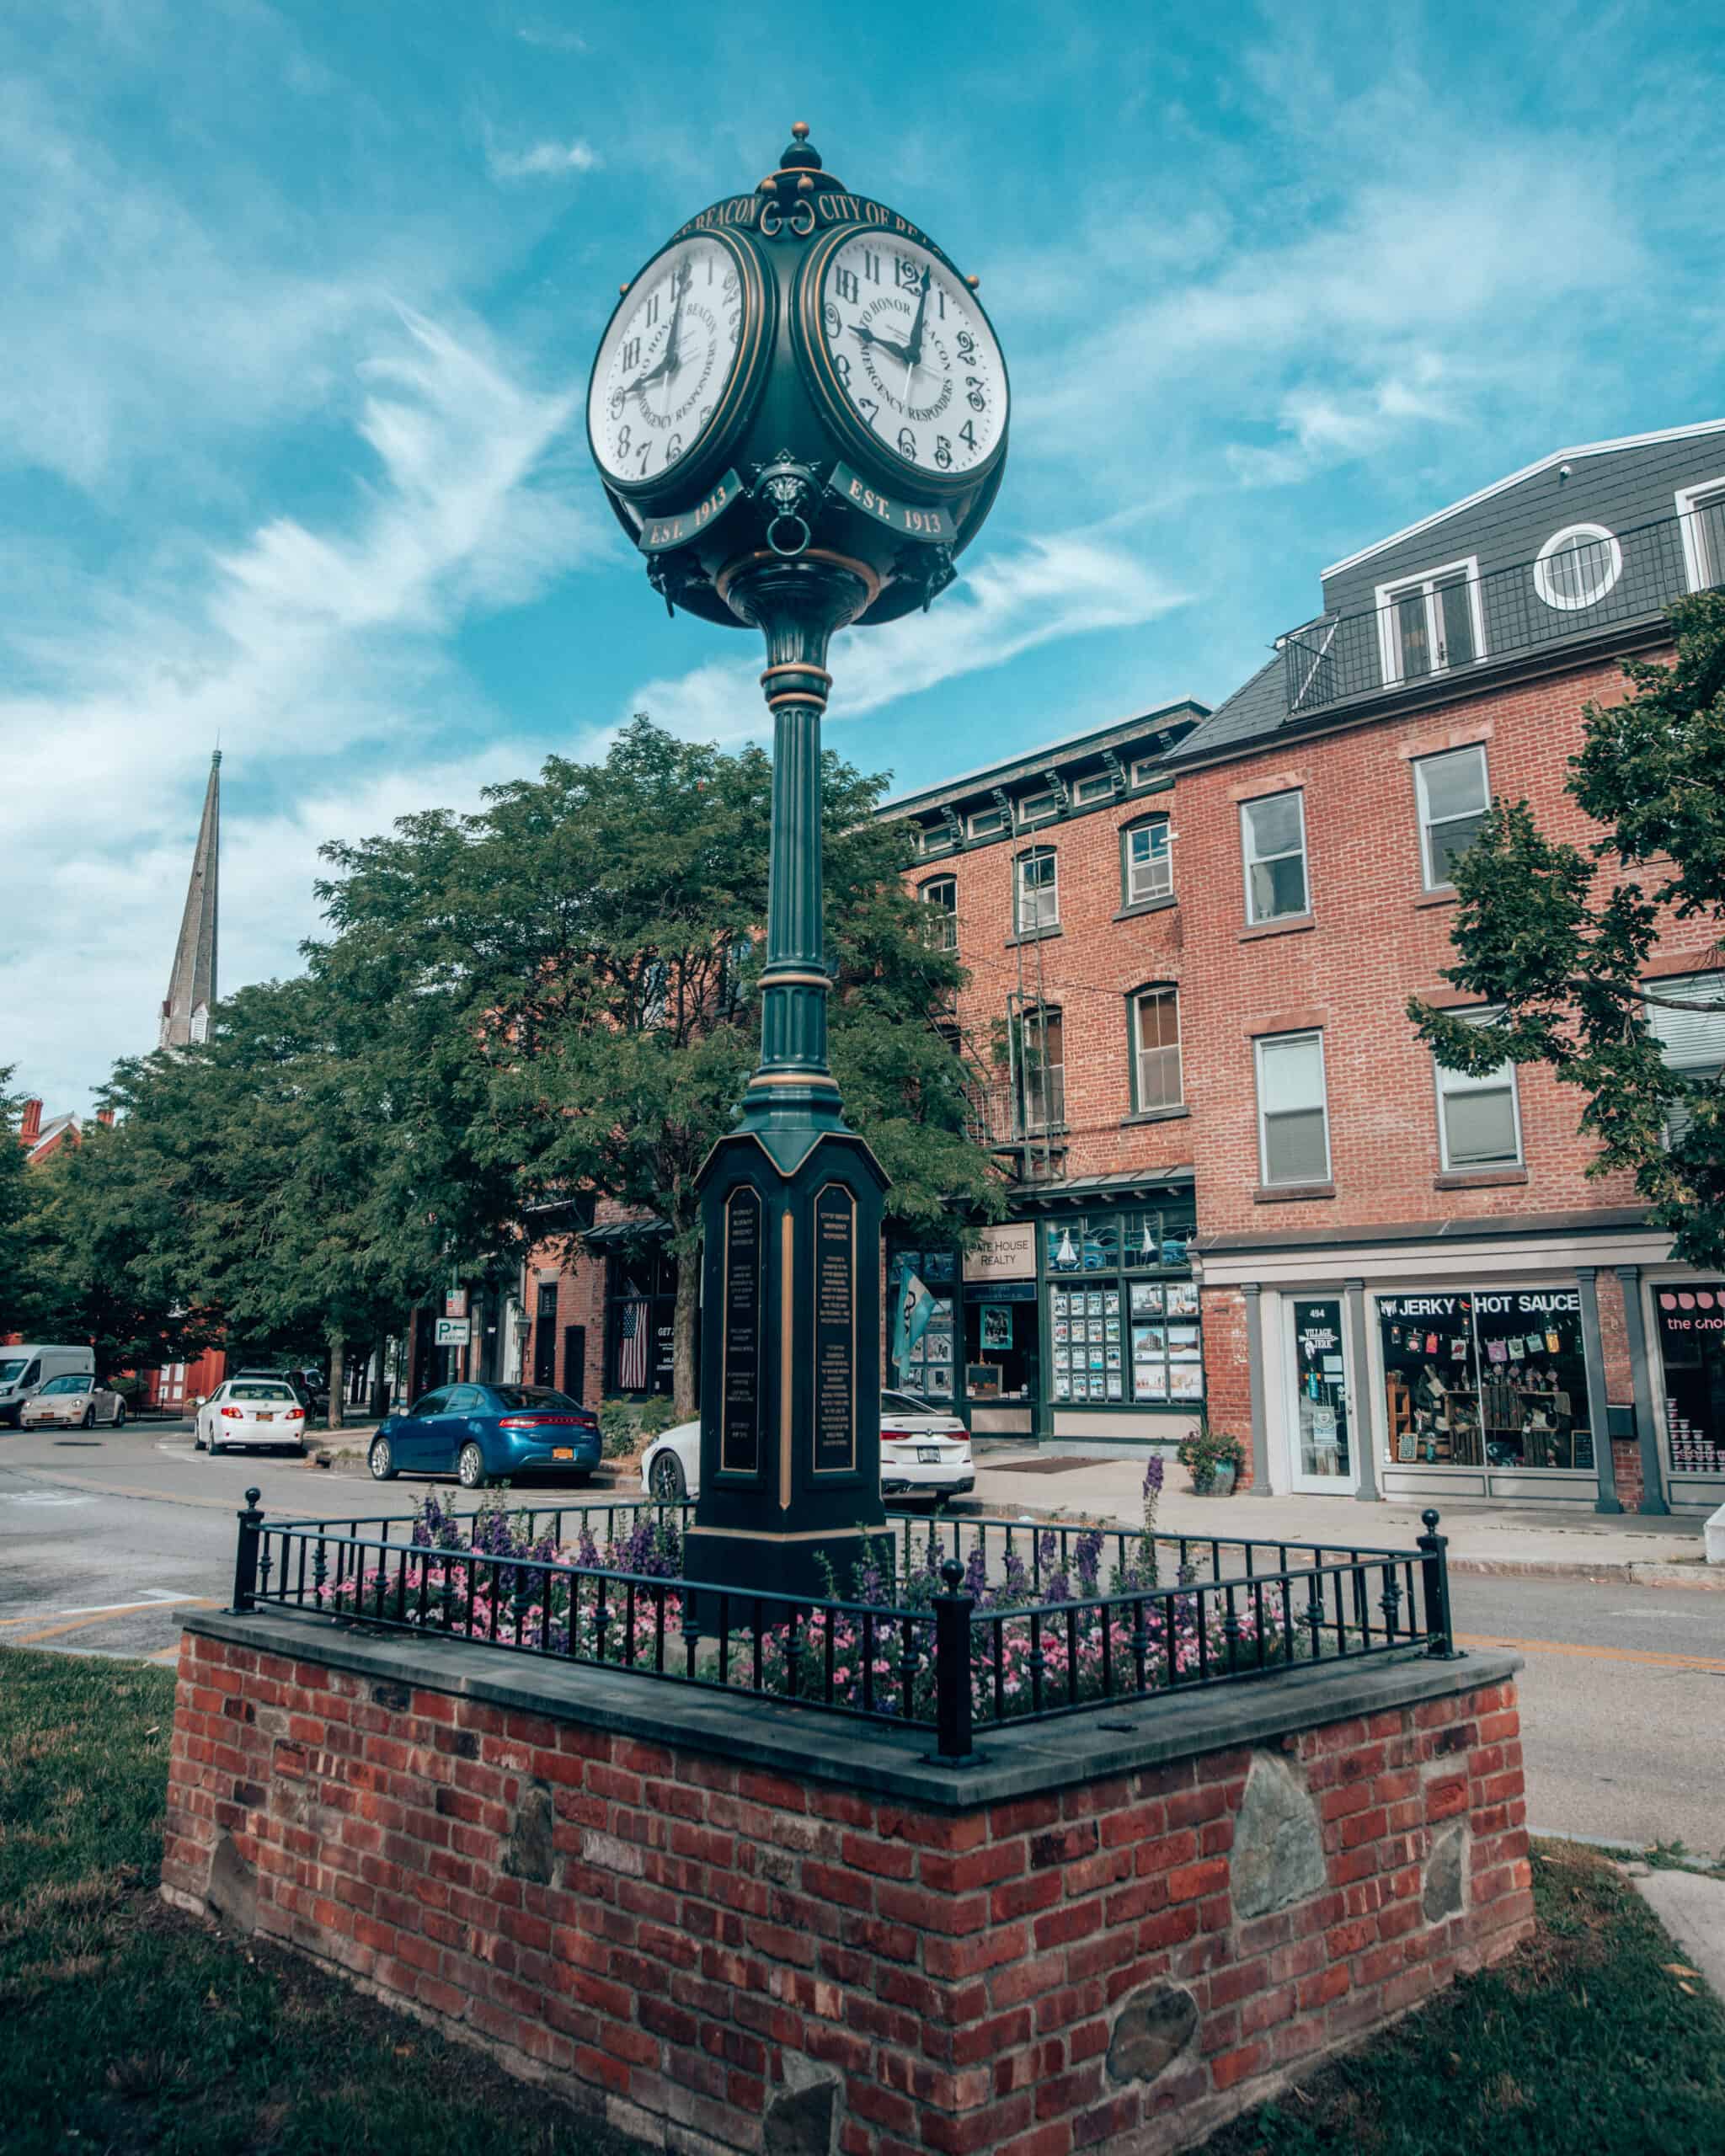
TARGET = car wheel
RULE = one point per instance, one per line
(381, 1460)
(89, 1421)
(669, 1485)
(470, 1467)
(120, 1416)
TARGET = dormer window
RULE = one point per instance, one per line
(1431, 623)
(1578, 566)
(1701, 514)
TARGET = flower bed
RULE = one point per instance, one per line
(1042, 1644)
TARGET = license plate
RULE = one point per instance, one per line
(928, 1455)
(563, 1452)
(265, 1419)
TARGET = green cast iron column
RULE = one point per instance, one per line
(797, 605)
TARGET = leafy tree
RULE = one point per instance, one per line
(306, 1163)
(16, 1273)
(101, 1213)
(592, 932)
(1559, 935)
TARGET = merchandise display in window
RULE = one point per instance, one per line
(1691, 1321)
(1487, 1377)
(1115, 1337)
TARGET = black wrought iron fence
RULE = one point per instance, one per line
(978, 1624)
(1468, 621)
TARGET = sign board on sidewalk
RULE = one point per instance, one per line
(454, 1331)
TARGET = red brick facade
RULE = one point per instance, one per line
(697, 1942)
(1372, 936)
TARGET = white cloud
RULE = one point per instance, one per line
(543, 161)
(306, 651)
(1009, 603)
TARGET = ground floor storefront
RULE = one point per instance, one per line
(1075, 1321)
(1564, 1361)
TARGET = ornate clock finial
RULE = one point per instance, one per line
(801, 156)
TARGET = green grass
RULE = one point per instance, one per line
(127, 2028)
(1589, 2039)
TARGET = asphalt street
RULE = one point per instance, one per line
(107, 1537)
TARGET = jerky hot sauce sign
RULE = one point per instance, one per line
(798, 410)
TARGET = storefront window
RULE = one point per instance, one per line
(1113, 1335)
(1487, 1377)
(920, 1348)
(1001, 1357)
(1692, 1350)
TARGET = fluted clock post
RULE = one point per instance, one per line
(799, 412)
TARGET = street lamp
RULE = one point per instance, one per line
(798, 410)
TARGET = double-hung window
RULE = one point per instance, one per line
(1428, 624)
(1692, 1040)
(1479, 1125)
(1147, 862)
(1042, 1068)
(1452, 795)
(1293, 1123)
(940, 895)
(1155, 1049)
(1273, 841)
(1036, 899)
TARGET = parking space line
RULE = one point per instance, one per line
(1644, 1655)
(101, 1616)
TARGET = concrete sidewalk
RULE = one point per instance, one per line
(1692, 1909)
(1540, 1542)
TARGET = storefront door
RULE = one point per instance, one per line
(1320, 1418)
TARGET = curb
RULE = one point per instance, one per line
(1629, 1572)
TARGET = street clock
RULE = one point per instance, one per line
(799, 367)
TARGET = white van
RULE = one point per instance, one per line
(23, 1371)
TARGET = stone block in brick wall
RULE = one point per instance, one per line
(840, 1949)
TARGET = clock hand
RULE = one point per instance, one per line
(914, 351)
(886, 343)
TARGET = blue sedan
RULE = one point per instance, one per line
(483, 1434)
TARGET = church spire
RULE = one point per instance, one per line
(191, 986)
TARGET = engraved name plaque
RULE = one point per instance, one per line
(835, 1331)
(740, 1431)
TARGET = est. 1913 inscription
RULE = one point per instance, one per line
(740, 1431)
(834, 1331)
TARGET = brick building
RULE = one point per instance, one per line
(1240, 1183)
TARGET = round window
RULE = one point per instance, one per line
(1578, 566)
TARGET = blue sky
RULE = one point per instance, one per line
(301, 300)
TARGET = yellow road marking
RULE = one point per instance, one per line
(1641, 1655)
(101, 1617)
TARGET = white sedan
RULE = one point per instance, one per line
(74, 1401)
(251, 1412)
(925, 1452)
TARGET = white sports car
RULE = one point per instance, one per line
(74, 1401)
(925, 1452)
(250, 1412)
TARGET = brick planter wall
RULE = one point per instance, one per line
(721, 1952)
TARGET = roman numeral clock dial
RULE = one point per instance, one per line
(666, 379)
(905, 343)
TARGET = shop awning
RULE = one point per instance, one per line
(607, 1235)
(1128, 1188)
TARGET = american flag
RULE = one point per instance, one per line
(632, 1347)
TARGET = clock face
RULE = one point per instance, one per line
(669, 361)
(913, 355)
